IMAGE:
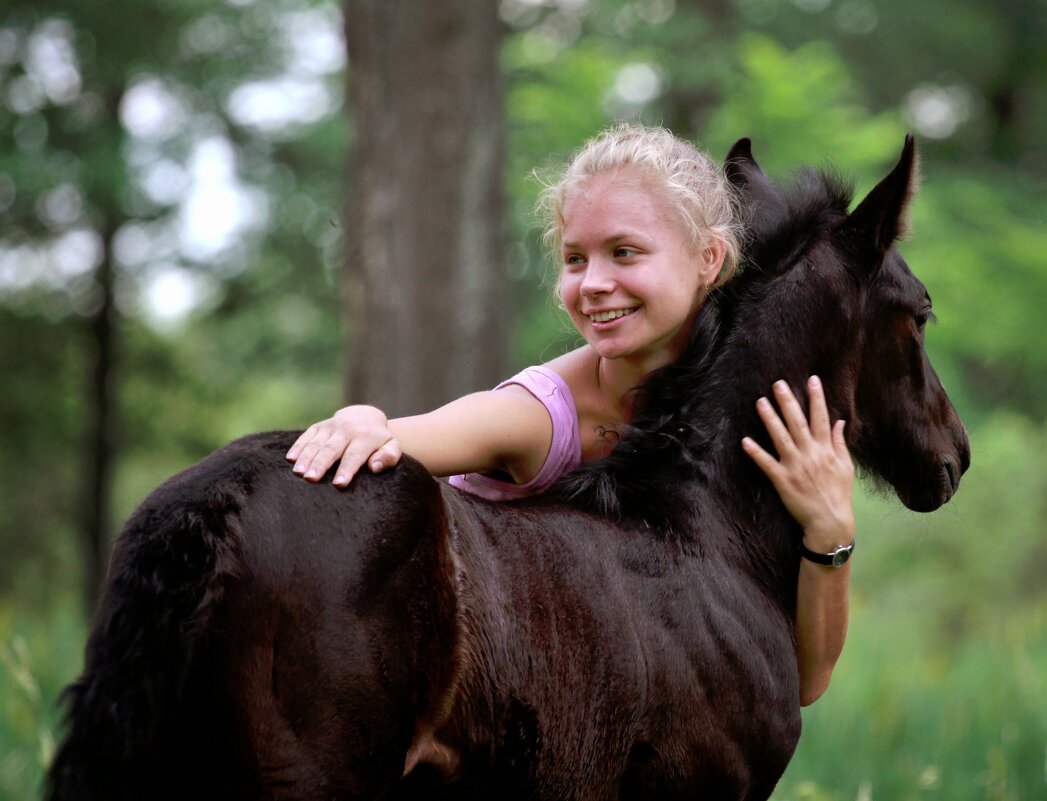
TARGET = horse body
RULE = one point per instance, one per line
(443, 645)
(262, 637)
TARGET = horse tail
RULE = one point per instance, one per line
(123, 730)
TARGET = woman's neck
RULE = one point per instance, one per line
(617, 378)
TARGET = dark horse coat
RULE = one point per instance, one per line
(632, 638)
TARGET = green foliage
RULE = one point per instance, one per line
(802, 106)
(78, 190)
(39, 471)
(557, 100)
(978, 246)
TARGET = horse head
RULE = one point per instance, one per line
(824, 291)
(869, 344)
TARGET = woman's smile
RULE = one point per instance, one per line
(601, 318)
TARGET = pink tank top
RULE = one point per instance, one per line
(565, 451)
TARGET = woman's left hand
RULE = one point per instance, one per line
(814, 474)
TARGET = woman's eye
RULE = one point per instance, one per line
(573, 260)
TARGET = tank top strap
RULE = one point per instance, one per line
(565, 450)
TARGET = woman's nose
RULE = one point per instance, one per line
(598, 279)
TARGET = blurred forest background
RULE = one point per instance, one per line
(200, 237)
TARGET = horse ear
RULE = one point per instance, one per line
(763, 207)
(881, 217)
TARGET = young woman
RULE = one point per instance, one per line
(645, 227)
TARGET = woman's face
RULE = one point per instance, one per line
(631, 280)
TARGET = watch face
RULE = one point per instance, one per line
(841, 555)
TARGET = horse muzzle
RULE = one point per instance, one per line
(940, 482)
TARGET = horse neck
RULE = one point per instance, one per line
(681, 466)
(789, 334)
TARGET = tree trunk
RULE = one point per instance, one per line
(425, 263)
(101, 412)
(691, 98)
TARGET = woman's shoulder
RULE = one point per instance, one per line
(577, 369)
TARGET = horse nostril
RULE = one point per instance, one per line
(951, 472)
(963, 447)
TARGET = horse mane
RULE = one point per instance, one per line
(658, 455)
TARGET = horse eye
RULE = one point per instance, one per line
(923, 318)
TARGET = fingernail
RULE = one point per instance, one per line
(311, 474)
(814, 382)
(376, 467)
(763, 403)
(340, 481)
(780, 386)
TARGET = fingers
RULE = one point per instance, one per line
(780, 436)
(839, 441)
(322, 450)
(299, 444)
(765, 461)
(386, 455)
(354, 436)
(790, 432)
(792, 413)
(792, 429)
(305, 450)
(819, 411)
(350, 465)
(813, 473)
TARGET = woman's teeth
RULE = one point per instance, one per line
(607, 316)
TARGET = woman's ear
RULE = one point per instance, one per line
(711, 257)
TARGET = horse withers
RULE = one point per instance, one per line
(629, 637)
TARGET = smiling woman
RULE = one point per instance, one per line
(648, 225)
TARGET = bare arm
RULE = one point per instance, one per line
(814, 477)
(507, 429)
(821, 622)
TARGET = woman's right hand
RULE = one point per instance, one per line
(355, 435)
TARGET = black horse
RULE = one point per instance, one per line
(632, 638)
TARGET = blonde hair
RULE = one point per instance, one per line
(693, 182)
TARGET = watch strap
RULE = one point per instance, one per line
(837, 557)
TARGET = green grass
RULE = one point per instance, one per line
(906, 719)
(40, 653)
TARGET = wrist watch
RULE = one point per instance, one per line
(837, 557)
